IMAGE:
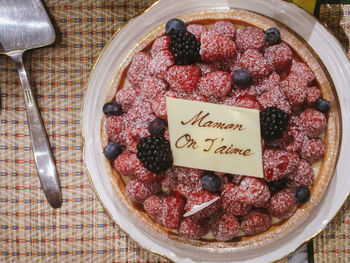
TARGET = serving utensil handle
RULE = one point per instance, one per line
(41, 147)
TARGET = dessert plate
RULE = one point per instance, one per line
(106, 67)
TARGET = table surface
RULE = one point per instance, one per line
(30, 230)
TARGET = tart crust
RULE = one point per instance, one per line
(332, 136)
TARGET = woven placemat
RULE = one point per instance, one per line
(80, 231)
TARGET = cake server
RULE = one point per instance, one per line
(25, 25)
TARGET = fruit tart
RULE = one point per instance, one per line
(234, 58)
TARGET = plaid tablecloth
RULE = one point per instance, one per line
(31, 231)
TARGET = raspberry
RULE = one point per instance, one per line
(294, 89)
(159, 104)
(250, 38)
(279, 56)
(138, 68)
(268, 83)
(206, 68)
(183, 78)
(161, 43)
(152, 87)
(247, 101)
(226, 228)
(183, 190)
(312, 95)
(255, 222)
(184, 46)
(230, 64)
(304, 175)
(255, 63)
(283, 204)
(225, 28)
(140, 114)
(274, 97)
(189, 176)
(293, 138)
(192, 229)
(143, 174)
(159, 65)
(278, 163)
(127, 96)
(200, 197)
(170, 181)
(313, 122)
(196, 30)
(216, 84)
(215, 46)
(303, 72)
(237, 178)
(138, 191)
(124, 164)
(154, 206)
(173, 211)
(114, 126)
(312, 150)
(253, 191)
(230, 201)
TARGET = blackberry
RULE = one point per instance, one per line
(184, 46)
(154, 153)
(273, 122)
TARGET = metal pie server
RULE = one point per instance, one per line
(25, 25)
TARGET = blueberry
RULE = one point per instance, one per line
(157, 126)
(279, 184)
(322, 105)
(112, 108)
(272, 36)
(112, 150)
(302, 194)
(175, 24)
(241, 78)
(211, 182)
